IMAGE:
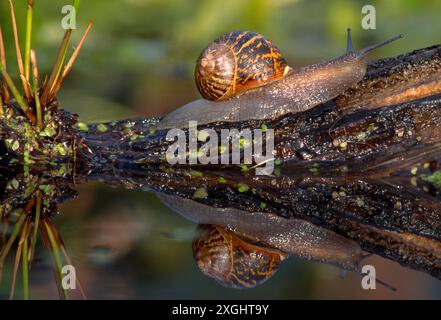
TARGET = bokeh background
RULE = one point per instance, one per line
(139, 61)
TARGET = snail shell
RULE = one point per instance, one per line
(235, 62)
(231, 261)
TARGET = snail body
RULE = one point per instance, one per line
(293, 91)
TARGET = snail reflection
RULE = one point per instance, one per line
(242, 250)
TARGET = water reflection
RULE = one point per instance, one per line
(231, 244)
(238, 248)
(29, 202)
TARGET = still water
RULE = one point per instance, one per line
(126, 244)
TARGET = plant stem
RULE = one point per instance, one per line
(25, 269)
(45, 97)
(8, 245)
(77, 6)
(37, 101)
(36, 224)
(38, 109)
(18, 256)
(17, 43)
(11, 239)
(35, 87)
(68, 259)
(28, 38)
(56, 254)
(1, 105)
(35, 71)
(18, 51)
(72, 59)
(13, 89)
(2, 49)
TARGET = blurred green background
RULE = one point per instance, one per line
(139, 61)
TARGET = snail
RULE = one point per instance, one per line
(235, 62)
(268, 94)
(231, 261)
(262, 241)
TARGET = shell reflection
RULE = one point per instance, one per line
(231, 261)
